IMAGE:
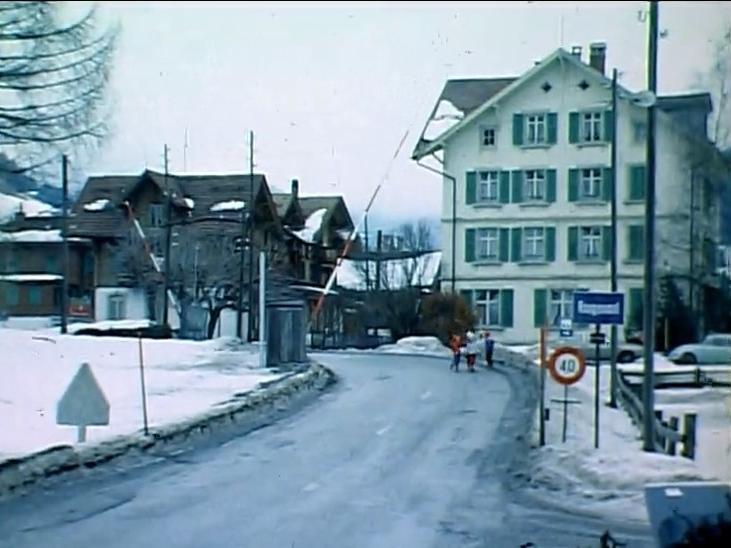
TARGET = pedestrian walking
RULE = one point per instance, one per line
(455, 343)
(472, 349)
(489, 348)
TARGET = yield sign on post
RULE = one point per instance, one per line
(83, 404)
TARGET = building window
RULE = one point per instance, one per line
(535, 129)
(561, 303)
(51, 263)
(591, 184)
(639, 132)
(156, 215)
(535, 185)
(534, 246)
(487, 303)
(488, 186)
(488, 137)
(117, 307)
(35, 296)
(487, 243)
(591, 241)
(11, 295)
(591, 127)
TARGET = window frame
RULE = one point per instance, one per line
(538, 242)
(483, 307)
(483, 134)
(596, 179)
(596, 127)
(596, 238)
(560, 303)
(540, 182)
(488, 233)
(155, 213)
(540, 122)
(116, 302)
(488, 182)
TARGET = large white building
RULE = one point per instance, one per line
(527, 160)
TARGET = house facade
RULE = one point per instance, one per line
(528, 160)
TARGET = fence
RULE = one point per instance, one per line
(667, 433)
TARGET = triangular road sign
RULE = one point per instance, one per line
(83, 403)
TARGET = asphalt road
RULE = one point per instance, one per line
(400, 453)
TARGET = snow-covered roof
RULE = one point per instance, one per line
(189, 202)
(97, 205)
(10, 205)
(395, 274)
(313, 224)
(230, 205)
(20, 278)
(344, 233)
(31, 236)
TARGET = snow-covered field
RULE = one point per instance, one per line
(182, 378)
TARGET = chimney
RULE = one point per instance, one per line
(295, 188)
(576, 52)
(598, 56)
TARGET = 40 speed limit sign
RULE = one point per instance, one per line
(567, 365)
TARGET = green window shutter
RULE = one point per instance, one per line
(550, 243)
(636, 242)
(504, 245)
(573, 127)
(573, 243)
(516, 241)
(552, 128)
(573, 185)
(471, 187)
(517, 187)
(637, 183)
(467, 296)
(517, 129)
(607, 184)
(506, 308)
(608, 116)
(636, 296)
(540, 297)
(606, 242)
(551, 185)
(504, 187)
(469, 245)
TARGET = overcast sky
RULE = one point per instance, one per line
(330, 89)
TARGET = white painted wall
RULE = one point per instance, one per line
(136, 307)
(463, 153)
(227, 324)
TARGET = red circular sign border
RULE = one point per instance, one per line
(578, 354)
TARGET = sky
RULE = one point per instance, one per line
(330, 89)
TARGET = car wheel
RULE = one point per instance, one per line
(688, 358)
(626, 357)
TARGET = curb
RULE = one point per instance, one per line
(19, 473)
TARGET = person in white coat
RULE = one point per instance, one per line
(472, 350)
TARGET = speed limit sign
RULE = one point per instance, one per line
(567, 365)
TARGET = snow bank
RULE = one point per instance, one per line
(231, 205)
(313, 224)
(417, 345)
(183, 378)
(97, 205)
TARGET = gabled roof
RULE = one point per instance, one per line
(288, 209)
(425, 147)
(686, 101)
(332, 204)
(108, 222)
(469, 93)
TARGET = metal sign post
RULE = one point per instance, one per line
(142, 386)
(598, 308)
(567, 365)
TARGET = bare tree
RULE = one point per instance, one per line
(53, 81)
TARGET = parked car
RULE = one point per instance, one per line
(627, 352)
(715, 348)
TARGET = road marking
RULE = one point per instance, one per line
(384, 430)
(426, 395)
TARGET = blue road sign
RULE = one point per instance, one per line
(594, 307)
(566, 327)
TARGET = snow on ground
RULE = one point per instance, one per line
(610, 480)
(231, 205)
(31, 323)
(183, 378)
(416, 345)
(312, 225)
(106, 325)
(10, 205)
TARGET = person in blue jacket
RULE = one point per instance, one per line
(489, 348)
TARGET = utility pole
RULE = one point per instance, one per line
(65, 230)
(613, 264)
(367, 262)
(242, 254)
(168, 237)
(648, 383)
(252, 221)
(379, 243)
